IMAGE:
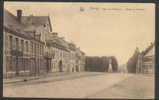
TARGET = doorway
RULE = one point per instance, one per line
(77, 68)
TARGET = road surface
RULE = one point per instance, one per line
(105, 85)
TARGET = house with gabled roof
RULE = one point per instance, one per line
(25, 44)
(146, 60)
(31, 48)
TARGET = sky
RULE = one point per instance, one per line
(99, 29)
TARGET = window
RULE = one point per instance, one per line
(27, 47)
(17, 43)
(35, 47)
(40, 49)
(61, 54)
(22, 45)
(10, 42)
(31, 47)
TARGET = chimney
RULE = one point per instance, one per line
(19, 15)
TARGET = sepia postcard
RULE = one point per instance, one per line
(79, 50)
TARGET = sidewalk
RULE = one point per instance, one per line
(54, 76)
(29, 78)
(74, 85)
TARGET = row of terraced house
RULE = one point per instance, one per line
(32, 48)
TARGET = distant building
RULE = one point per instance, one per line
(60, 50)
(146, 60)
(72, 57)
(66, 57)
(80, 60)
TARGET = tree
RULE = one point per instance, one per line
(114, 64)
(132, 62)
(104, 64)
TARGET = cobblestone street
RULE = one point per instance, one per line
(136, 86)
(85, 85)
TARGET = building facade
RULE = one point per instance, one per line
(31, 48)
(146, 60)
(24, 47)
(60, 53)
(67, 58)
(80, 60)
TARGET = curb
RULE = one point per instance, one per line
(25, 79)
(42, 77)
(21, 80)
